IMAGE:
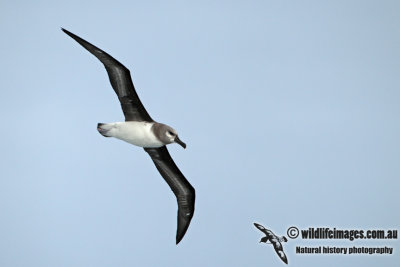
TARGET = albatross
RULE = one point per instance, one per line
(141, 130)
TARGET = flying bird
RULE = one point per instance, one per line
(274, 240)
(141, 130)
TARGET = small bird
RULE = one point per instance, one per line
(141, 130)
(274, 240)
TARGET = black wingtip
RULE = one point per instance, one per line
(66, 31)
(180, 233)
(73, 36)
(282, 255)
(257, 225)
(70, 34)
(183, 225)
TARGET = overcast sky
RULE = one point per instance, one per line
(290, 110)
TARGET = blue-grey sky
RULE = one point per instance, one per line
(290, 110)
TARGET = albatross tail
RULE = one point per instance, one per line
(104, 129)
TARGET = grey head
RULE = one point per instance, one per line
(166, 134)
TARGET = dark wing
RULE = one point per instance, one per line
(279, 250)
(261, 228)
(182, 189)
(121, 82)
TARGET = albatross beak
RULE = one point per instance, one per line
(179, 141)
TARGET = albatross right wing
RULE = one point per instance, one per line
(183, 190)
(121, 82)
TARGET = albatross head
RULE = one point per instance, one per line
(167, 134)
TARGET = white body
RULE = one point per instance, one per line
(138, 133)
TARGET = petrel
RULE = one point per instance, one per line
(141, 130)
(274, 240)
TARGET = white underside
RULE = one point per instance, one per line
(137, 133)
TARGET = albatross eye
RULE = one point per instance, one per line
(171, 133)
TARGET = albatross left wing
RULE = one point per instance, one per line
(183, 190)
